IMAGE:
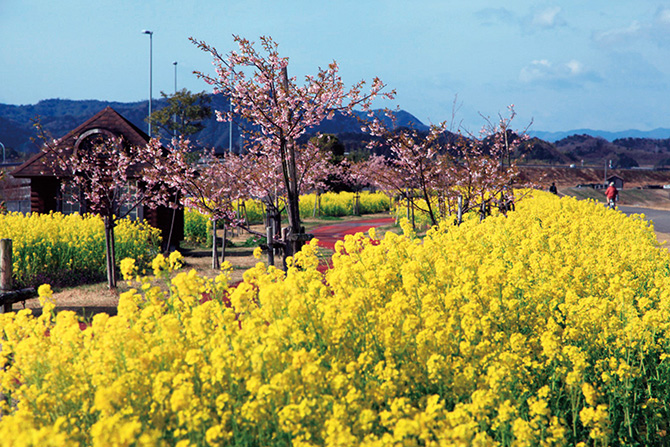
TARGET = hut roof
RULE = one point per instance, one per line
(108, 122)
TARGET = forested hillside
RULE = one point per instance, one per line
(59, 116)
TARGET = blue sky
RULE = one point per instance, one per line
(565, 65)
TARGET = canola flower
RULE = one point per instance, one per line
(545, 327)
(342, 203)
(56, 246)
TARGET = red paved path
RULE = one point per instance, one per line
(329, 234)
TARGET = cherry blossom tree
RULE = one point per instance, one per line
(446, 169)
(104, 172)
(356, 176)
(416, 165)
(212, 185)
(263, 180)
(485, 174)
(280, 110)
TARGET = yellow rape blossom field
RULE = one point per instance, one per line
(69, 249)
(545, 327)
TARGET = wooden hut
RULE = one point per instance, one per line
(618, 181)
(46, 187)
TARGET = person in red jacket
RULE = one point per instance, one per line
(612, 195)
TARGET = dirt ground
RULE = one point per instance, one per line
(566, 177)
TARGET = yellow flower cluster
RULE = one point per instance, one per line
(342, 203)
(197, 227)
(51, 246)
(546, 327)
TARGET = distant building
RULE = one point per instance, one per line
(591, 185)
(618, 181)
(46, 188)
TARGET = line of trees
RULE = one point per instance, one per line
(447, 171)
(276, 110)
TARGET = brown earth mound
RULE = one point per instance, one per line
(566, 177)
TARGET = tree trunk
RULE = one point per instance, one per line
(174, 215)
(294, 241)
(215, 254)
(223, 243)
(316, 204)
(407, 195)
(271, 245)
(110, 252)
(441, 206)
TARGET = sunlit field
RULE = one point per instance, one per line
(70, 249)
(546, 327)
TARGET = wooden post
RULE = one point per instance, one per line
(6, 270)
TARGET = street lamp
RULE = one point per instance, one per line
(175, 76)
(174, 116)
(151, 50)
(230, 126)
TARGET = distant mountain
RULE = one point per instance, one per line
(59, 116)
(623, 149)
(623, 152)
(656, 134)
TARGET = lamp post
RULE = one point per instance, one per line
(230, 124)
(175, 76)
(151, 50)
(174, 116)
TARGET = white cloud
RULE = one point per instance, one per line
(563, 74)
(537, 69)
(548, 18)
(541, 19)
(656, 29)
(618, 35)
(663, 16)
(575, 67)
